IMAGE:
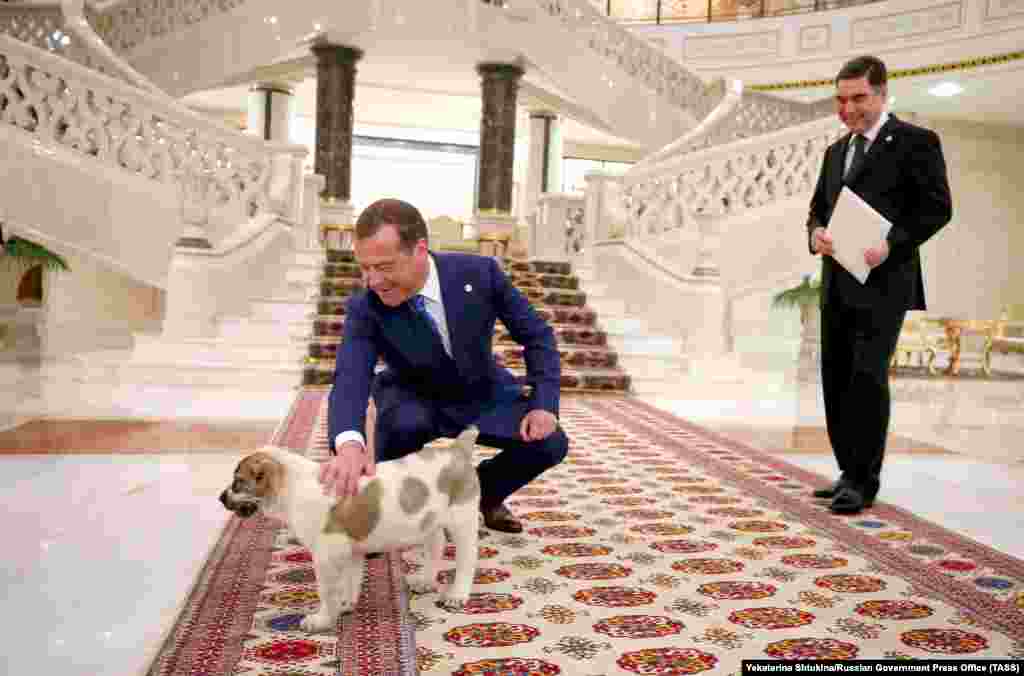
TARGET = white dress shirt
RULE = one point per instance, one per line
(431, 293)
(869, 138)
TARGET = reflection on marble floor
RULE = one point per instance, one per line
(104, 548)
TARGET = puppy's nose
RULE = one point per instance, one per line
(224, 498)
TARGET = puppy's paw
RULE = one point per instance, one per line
(453, 602)
(317, 623)
(419, 584)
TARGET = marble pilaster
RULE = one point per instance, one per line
(499, 87)
(335, 98)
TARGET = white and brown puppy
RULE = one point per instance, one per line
(412, 500)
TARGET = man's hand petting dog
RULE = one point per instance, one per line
(340, 475)
(537, 424)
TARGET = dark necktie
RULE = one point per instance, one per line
(859, 140)
(419, 303)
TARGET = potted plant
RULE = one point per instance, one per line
(26, 253)
(806, 296)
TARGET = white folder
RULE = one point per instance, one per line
(855, 227)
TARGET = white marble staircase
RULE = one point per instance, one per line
(654, 360)
(260, 349)
(658, 361)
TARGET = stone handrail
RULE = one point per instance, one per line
(727, 179)
(43, 25)
(754, 114)
(634, 55)
(61, 103)
(129, 23)
(77, 21)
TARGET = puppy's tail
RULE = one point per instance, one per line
(467, 439)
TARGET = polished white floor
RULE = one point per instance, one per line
(103, 549)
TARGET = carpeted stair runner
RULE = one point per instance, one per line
(588, 363)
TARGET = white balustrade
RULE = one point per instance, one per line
(60, 103)
(698, 190)
(557, 234)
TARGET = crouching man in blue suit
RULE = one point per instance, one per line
(431, 316)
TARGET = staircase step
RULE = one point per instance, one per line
(340, 286)
(575, 357)
(556, 297)
(312, 257)
(336, 256)
(535, 280)
(565, 334)
(640, 344)
(282, 310)
(228, 352)
(94, 368)
(608, 308)
(341, 270)
(539, 266)
(321, 373)
(247, 328)
(345, 278)
(589, 380)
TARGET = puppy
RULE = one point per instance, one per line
(412, 500)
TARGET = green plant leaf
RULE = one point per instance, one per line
(26, 253)
(807, 292)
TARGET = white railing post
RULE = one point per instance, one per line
(312, 185)
(708, 243)
(560, 215)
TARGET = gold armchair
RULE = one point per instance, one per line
(446, 235)
(921, 338)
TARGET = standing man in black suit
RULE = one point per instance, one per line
(898, 169)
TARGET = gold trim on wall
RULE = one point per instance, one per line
(897, 74)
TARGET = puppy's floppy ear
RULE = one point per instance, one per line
(265, 472)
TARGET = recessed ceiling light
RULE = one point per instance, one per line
(946, 89)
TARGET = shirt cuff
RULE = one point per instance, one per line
(351, 435)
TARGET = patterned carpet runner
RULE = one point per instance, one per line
(656, 548)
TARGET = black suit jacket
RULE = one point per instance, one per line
(903, 177)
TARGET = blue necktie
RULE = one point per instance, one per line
(419, 303)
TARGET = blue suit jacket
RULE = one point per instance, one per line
(475, 292)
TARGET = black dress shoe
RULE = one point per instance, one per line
(848, 501)
(831, 491)
(501, 519)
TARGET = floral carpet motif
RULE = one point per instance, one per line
(660, 548)
(656, 548)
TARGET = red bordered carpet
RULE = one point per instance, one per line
(658, 547)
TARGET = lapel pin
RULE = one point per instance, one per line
(888, 138)
(468, 288)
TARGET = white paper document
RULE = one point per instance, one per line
(855, 227)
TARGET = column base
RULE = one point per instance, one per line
(337, 224)
(494, 230)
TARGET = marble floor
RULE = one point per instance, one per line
(103, 544)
